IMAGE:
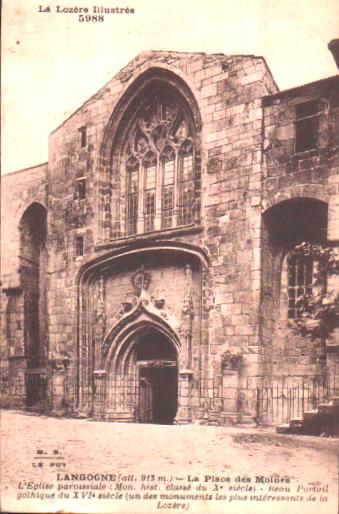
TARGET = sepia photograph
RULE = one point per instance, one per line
(170, 257)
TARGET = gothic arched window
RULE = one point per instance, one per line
(300, 275)
(159, 155)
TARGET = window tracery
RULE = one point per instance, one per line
(159, 161)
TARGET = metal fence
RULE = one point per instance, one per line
(277, 400)
(282, 401)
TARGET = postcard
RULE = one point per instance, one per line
(169, 249)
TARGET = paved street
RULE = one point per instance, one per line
(44, 452)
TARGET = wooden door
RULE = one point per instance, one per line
(145, 400)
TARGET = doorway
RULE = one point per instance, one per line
(158, 394)
(158, 380)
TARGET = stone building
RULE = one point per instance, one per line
(148, 269)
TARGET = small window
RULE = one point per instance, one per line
(79, 246)
(80, 190)
(307, 126)
(83, 136)
(300, 282)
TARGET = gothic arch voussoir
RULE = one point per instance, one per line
(307, 191)
(120, 336)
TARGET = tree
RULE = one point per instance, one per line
(319, 309)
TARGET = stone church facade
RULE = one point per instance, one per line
(147, 271)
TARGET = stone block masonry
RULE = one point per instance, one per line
(161, 276)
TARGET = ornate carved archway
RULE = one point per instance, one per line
(119, 384)
(113, 321)
(141, 346)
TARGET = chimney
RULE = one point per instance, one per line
(333, 47)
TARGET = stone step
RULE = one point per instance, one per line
(328, 407)
(310, 414)
(296, 421)
(283, 428)
(307, 424)
(333, 404)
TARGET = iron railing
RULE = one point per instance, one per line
(282, 400)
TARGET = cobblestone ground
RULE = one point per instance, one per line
(171, 452)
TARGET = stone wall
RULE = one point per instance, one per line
(300, 189)
(246, 166)
(228, 91)
(21, 190)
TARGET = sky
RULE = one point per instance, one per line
(51, 62)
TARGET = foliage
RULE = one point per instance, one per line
(326, 256)
(320, 310)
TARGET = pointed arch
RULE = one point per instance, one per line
(142, 357)
(157, 110)
(120, 340)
